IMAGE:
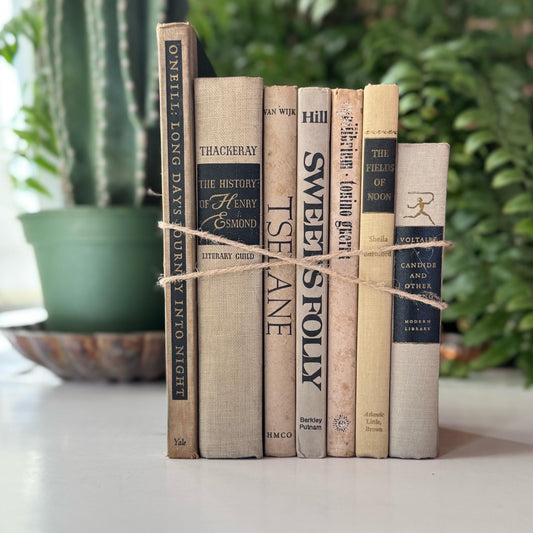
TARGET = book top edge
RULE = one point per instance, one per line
(339, 90)
(304, 89)
(421, 146)
(229, 79)
(173, 25)
(281, 86)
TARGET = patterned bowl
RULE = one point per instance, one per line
(92, 356)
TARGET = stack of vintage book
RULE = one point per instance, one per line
(280, 358)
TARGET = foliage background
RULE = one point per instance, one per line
(465, 75)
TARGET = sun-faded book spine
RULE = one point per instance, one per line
(279, 200)
(422, 172)
(229, 151)
(177, 68)
(314, 120)
(345, 211)
(380, 132)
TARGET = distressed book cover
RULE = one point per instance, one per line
(279, 190)
(178, 66)
(229, 113)
(420, 218)
(345, 192)
(380, 125)
(314, 120)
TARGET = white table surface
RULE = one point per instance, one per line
(86, 457)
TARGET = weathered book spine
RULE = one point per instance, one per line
(279, 193)
(380, 125)
(177, 69)
(229, 113)
(420, 217)
(314, 114)
(345, 192)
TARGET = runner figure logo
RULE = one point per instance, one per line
(421, 205)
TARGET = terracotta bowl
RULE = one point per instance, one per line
(92, 357)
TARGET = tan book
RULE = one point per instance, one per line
(380, 125)
(420, 217)
(279, 201)
(345, 192)
(314, 113)
(178, 66)
(229, 119)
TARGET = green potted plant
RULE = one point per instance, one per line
(100, 255)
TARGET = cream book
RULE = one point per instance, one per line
(420, 218)
(380, 131)
(179, 62)
(345, 192)
(314, 115)
(229, 148)
(279, 193)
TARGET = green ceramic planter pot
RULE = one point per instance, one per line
(99, 267)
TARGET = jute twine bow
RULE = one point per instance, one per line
(310, 263)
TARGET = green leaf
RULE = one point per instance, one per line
(488, 226)
(507, 177)
(526, 323)
(522, 302)
(478, 139)
(436, 94)
(402, 71)
(428, 112)
(411, 122)
(496, 159)
(519, 204)
(36, 186)
(524, 227)
(410, 102)
(499, 352)
(407, 86)
(471, 119)
(453, 180)
(489, 326)
(321, 8)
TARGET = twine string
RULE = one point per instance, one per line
(310, 263)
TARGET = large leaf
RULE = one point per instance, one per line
(478, 139)
(499, 352)
(488, 327)
(507, 177)
(522, 203)
(526, 323)
(496, 159)
(471, 119)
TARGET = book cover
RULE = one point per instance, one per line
(345, 191)
(279, 193)
(420, 217)
(380, 131)
(229, 119)
(178, 66)
(314, 114)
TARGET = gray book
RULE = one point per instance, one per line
(228, 117)
(314, 119)
(420, 215)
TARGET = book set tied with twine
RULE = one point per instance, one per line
(302, 267)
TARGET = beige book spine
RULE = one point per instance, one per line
(420, 217)
(380, 125)
(279, 194)
(229, 114)
(345, 192)
(314, 114)
(177, 69)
